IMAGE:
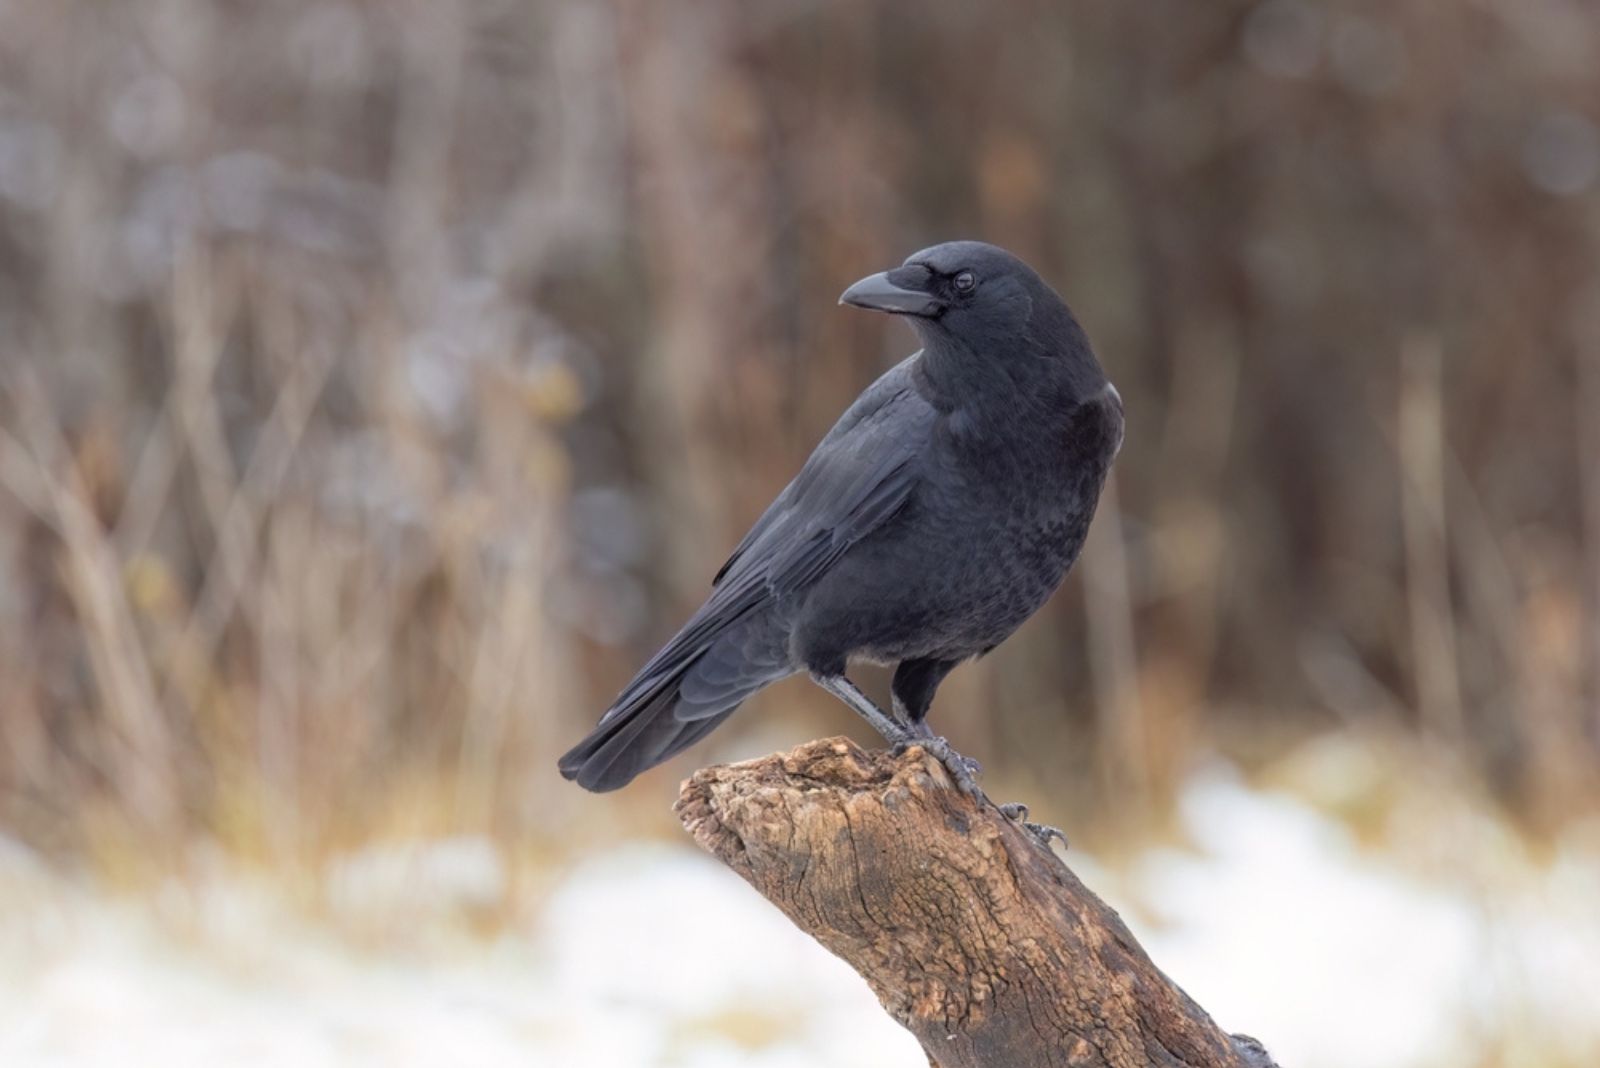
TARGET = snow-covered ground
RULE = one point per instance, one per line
(1274, 918)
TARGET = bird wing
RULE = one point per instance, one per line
(858, 477)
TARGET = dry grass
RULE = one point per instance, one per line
(378, 380)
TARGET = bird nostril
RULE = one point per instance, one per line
(911, 276)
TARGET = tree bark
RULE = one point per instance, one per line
(973, 935)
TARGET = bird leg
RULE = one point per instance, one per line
(1042, 832)
(903, 730)
(894, 732)
(902, 735)
(918, 727)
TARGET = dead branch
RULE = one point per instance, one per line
(973, 935)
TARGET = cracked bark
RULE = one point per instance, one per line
(975, 937)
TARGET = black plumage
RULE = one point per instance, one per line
(938, 514)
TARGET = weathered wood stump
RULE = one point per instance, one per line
(973, 935)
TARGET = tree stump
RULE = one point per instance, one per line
(973, 935)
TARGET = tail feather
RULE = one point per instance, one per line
(634, 738)
(629, 740)
(668, 709)
(652, 725)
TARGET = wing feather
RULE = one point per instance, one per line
(860, 475)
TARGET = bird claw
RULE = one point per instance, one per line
(964, 771)
(1042, 832)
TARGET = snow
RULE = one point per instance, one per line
(1282, 925)
(1275, 918)
(647, 955)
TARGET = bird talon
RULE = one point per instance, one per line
(963, 770)
(1043, 833)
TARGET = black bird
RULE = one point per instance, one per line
(940, 512)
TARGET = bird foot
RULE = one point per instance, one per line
(963, 770)
(1042, 832)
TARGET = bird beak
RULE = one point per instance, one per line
(883, 292)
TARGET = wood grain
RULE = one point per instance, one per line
(974, 936)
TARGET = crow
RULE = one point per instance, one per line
(939, 513)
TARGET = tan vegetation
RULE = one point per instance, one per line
(379, 380)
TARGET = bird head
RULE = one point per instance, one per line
(978, 304)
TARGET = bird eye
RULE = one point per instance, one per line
(966, 282)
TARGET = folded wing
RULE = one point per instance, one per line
(860, 475)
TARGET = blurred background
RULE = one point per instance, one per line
(381, 380)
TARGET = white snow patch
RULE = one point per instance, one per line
(1277, 921)
(1281, 926)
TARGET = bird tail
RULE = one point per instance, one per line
(670, 707)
